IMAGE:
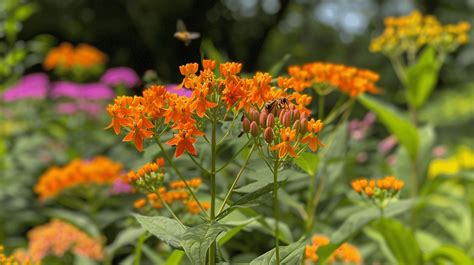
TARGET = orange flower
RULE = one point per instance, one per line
(285, 147)
(313, 141)
(189, 69)
(184, 140)
(66, 56)
(140, 131)
(100, 170)
(230, 69)
(200, 103)
(346, 253)
(208, 64)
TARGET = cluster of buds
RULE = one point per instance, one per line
(380, 190)
(175, 194)
(149, 176)
(346, 253)
(283, 128)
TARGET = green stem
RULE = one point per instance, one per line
(176, 170)
(138, 248)
(232, 160)
(399, 68)
(213, 248)
(276, 210)
(229, 193)
(170, 210)
(321, 107)
(198, 164)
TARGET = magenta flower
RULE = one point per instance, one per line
(92, 91)
(30, 86)
(358, 128)
(439, 151)
(120, 187)
(67, 108)
(120, 76)
(175, 89)
(387, 144)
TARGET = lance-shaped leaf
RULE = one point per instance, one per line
(451, 253)
(164, 228)
(291, 254)
(395, 122)
(357, 221)
(401, 241)
(197, 240)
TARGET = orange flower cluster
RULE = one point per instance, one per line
(57, 237)
(284, 128)
(346, 253)
(369, 188)
(142, 116)
(349, 80)
(99, 170)
(17, 258)
(65, 56)
(411, 32)
(176, 193)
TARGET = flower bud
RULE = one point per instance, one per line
(303, 126)
(254, 129)
(287, 119)
(296, 115)
(297, 126)
(263, 119)
(268, 135)
(281, 115)
(246, 125)
(254, 115)
(270, 120)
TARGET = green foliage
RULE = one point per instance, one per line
(401, 241)
(164, 228)
(175, 257)
(421, 78)
(395, 122)
(291, 254)
(197, 240)
(308, 162)
(449, 253)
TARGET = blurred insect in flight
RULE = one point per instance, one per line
(183, 34)
(281, 103)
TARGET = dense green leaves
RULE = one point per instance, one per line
(357, 221)
(421, 78)
(451, 253)
(401, 241)
(164, 228)
(291, 254)
(197, 240)
(395, 122)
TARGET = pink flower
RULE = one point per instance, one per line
(30, 86)
(387, 144)
(439, 151)
(362, 157)
(120, 76)
(392, 160)
(173, 88)
(93, 91)
(119, 187)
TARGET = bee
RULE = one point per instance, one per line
(183, 34)
(281, 103)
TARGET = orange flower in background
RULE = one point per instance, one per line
(65, 56)
(99, 171)
(345, 253)
(349, 80)
(57, 237)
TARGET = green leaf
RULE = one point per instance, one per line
(197, 240)
(265, 177)
(125, 237)
(357, 221)
(278, 66)
(451, 253)
(397, 124)
(152, 255)
(233, 232)
(421, 78)
(164, 228)
(291, 254)
(247, 200)
(211, 51)
(175, 257)
(25, 11)
(401, 241)
(308, 162)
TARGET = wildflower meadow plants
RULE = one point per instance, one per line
(303, 165)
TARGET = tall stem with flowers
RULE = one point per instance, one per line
(274, 118)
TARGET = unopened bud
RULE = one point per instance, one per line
(263, 119)
(270, 120)
(287, 119)
(296, 115)
(303, 125)
(254, 115)
(297, 126)
(254, 129)
(246, 125)
(268, 135)
(281, 115)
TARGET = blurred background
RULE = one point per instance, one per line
(258, 33)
